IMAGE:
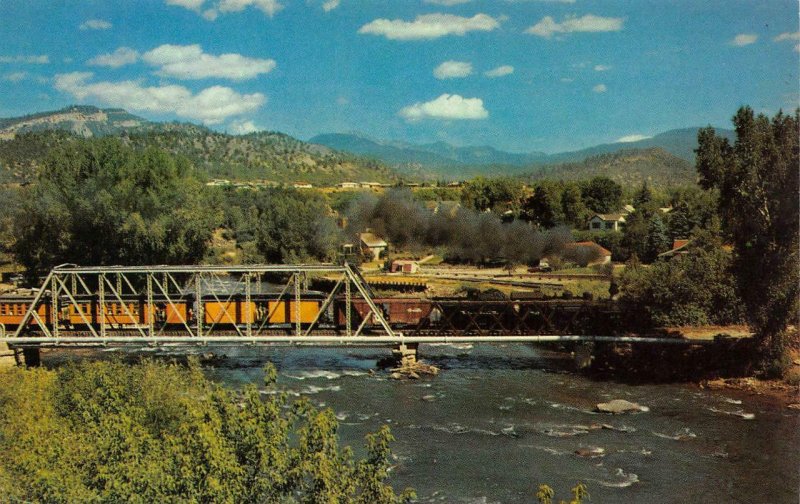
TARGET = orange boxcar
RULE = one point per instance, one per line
(229, 312)
(177, 314)
(282, 312)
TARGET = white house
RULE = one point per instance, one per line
(371, 246)
(607, 222)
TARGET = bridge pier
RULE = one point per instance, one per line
(32, 357)
(406, 354)
(584, 355)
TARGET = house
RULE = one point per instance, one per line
(607, 222)
(371, 245)
(595, 253)
(302, 185)
(348, 185)
(218, 183)
(404, 266)
(679, 248)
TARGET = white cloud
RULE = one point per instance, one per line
(95, 24)
(429, 26)
(453, 70)
(447, 3)
(446, 107)
(329, 5)
(244, 127)
(33, 60)
(567, 79)
(268, 7)
(122, 56)
(787, 36)
(212, 105)
(797, 48)
(15, 76)
(547, 26)
(602, 68)
(190, 62)
(342, 100)
(500, 71)
(187, 4)
(545, 1)
(744, 39)
(600, 88)
(631, 138)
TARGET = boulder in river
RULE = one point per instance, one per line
(618, 406)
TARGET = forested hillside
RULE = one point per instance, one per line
(268, 156)
(630, 168)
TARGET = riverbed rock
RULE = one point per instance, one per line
(618, 406)
(591, 452)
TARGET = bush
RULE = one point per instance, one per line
(109, 432)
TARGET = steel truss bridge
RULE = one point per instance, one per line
(66, 289)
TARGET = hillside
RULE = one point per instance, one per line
(25, 141)
(678, 142)
(628, 167)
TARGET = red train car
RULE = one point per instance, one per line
(400, 312)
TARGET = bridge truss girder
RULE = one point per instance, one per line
(67, 286)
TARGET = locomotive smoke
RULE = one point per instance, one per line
(462, 233)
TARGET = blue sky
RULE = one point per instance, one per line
(520, 75)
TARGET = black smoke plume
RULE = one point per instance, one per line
(461, 233)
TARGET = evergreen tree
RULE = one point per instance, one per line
(657, 239)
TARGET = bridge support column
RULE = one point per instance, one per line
(584, 355)
(32, 357)
(406, 354)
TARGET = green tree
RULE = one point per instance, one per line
(99, 202)
(544, 206)
(573, 207)
(657, 240)
(644, 196)
(757, 179)
(602, 195)
(483, 194)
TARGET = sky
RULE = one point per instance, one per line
(518, 75)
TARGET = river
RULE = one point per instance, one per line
(501, 419)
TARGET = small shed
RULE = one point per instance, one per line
(404, 266)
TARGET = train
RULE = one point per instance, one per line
(411, 315)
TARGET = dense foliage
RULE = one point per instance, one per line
(694, 289)
(110, 432)
(100, 202)
(757, 179)
(281, 225)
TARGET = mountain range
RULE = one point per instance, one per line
(664, 159)
(679, 142)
